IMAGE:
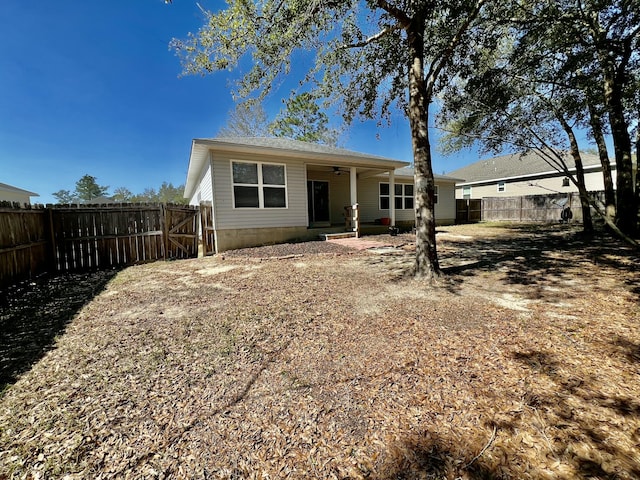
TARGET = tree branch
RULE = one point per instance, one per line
(373, 38)
(395, 12)
(437, 66)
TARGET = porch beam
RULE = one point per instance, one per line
(370, 173)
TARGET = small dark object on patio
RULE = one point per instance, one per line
(393, 231)
(566, 215)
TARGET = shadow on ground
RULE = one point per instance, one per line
(538, 256)
(581, 424)
(33, 314)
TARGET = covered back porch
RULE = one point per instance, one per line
(343, 199)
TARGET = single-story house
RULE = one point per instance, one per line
(272, 190)
(524, 174)
(9, 193)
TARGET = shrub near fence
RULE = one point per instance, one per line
(62, 238)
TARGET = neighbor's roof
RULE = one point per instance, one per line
(98, 200)
(280, 147)
(517, 165)
(8, 188)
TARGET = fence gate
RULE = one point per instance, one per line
(468, 210)
(208, 236)
(181, 231)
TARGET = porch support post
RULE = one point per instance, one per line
(353, 185)
(353, 189)
(392, 197)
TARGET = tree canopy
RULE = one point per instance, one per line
(303, 119)
(87, 189)
(247, 119)
(300, 119)
(558, 66)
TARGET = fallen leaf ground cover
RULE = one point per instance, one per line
(318, 361)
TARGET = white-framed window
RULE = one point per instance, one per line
(384, 196)
(436, 193)
(403, 196)
(466, 192)
(259, 185)
(502, 187)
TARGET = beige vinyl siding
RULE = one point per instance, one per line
(534, 186)
(446, 206)
(227, 217)
(203, 188)
(369, 200)
(16, 197)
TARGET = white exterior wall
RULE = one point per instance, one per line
(535, 186)
(228, 217)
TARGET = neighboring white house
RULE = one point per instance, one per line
(524, 174)
(271, 190)
(9, 193)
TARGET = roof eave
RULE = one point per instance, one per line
(549, 173)
(201, 147)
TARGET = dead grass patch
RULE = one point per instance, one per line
(331, 364)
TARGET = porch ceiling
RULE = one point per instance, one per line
(344, 169)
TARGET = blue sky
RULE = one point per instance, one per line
(90, 87)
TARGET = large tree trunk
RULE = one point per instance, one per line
(587, 222)
(609, 192)
(426, 265)
(626, 207)
(638, 163)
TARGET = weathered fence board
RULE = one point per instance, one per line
(468, 210)
(181, 236)
(88, 237)
(23, 243)
(206, 227)
(534, 208)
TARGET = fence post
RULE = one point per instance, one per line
(165, 231)
(521, 207)
(53, 250)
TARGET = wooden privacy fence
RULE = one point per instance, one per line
(206, 227)
(74, 238)
(534, 208)
(25, 249)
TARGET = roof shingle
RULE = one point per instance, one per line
(515, 165)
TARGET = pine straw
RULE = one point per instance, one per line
(523, 364)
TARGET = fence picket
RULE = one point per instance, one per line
(60, 238)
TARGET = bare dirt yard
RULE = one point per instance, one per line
(317, 360)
